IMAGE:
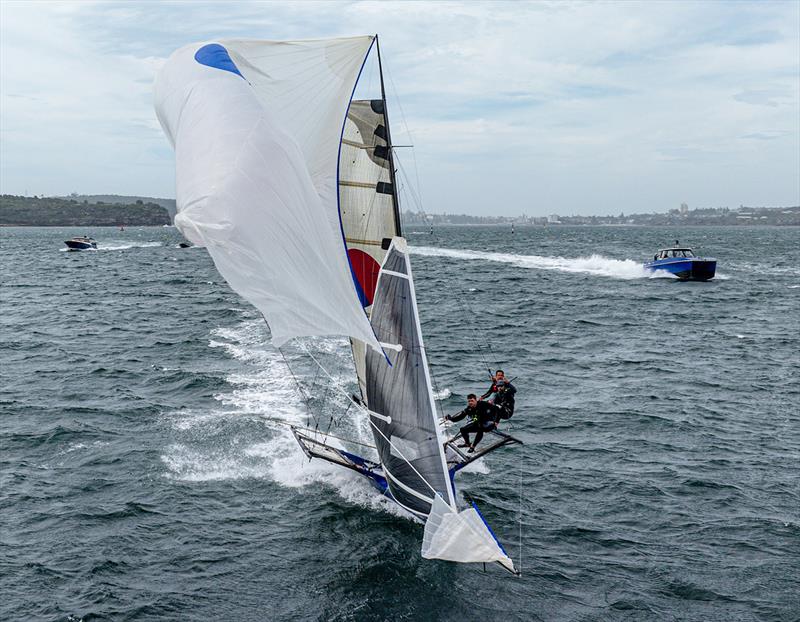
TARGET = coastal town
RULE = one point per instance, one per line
(681, 216)
(112, 210)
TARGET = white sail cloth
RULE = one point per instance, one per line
(460, 537)
(256, 129)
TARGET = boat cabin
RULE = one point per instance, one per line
(669, 253)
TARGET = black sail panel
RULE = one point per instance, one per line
(404, 420)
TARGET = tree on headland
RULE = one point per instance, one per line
(55, 212)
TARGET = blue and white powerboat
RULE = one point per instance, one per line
(81, 243)
(683, 263)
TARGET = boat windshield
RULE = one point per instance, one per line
(676, 252)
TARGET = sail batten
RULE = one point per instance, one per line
(410, 447)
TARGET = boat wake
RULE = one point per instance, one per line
(116, 247)
(594, 264)
(250, 436)
(125, 246)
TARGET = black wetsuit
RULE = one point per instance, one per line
(504, 398)
(481, 418)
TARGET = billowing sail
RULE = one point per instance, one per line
(256, 127)
(400, 400)
(367, 202)
(290, 186)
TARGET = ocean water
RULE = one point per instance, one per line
(147, 471)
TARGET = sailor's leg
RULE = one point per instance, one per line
(465, 434)
(478, 437)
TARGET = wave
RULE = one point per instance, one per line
(594, 264)
(250, 437)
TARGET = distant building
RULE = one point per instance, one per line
(553, 219)
(684, 209)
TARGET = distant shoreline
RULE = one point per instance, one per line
(22, 211)
(130, 211)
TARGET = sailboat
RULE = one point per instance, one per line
(291, 185)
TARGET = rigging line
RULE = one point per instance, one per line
(418, 201)
(519, 489)
(305, 399)
(400, 106)
(340, 438)
(480, 346)
(464, 312)
(408, 462)
(400, 453)
(411, 137)
(333, 381)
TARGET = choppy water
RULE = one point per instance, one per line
(145, 473)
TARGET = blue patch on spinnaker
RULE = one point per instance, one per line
(216, 56)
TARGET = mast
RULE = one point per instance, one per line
(395, 198)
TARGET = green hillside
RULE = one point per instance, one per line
(53, 212)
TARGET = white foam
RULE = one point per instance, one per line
(479, 467)
(442, 394)
(594, 264)
(263, 391)
(124, 246)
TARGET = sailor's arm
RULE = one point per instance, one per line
(457, 416)
(491, 390)
(496, 414)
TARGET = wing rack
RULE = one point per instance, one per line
(314, 448)
(458, 459)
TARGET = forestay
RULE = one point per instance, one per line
(256, 128)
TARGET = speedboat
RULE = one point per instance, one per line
(683, 263)
(81, 243)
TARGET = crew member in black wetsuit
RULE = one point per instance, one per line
(482, 417)
(504, 395)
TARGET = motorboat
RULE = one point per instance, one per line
(683, 263)
(81, 243)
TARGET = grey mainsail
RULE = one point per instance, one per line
(401, 404)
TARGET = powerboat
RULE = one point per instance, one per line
(683, 263)
(81, 243)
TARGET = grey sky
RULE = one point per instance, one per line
(541, 108)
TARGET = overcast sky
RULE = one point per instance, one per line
(541, 107)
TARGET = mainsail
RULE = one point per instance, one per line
(291, 186)
(402, 409)
(368, 205)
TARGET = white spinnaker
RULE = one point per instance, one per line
(256, 176)
(306, 86)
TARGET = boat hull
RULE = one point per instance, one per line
(80, 246)
(690, 269)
